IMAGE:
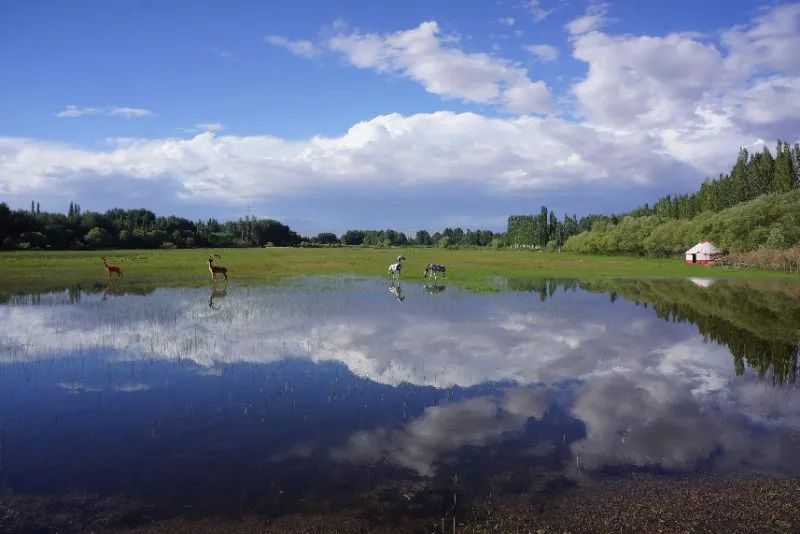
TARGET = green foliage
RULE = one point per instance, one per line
(769, 220)
(751, 176)
(98, 237)
(136, 228)
(325, 238)
(539, 230)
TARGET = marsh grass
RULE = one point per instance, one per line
(473, 269)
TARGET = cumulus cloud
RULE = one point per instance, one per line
(694, 96)
(543, 52)
(72, 111)
(650, 110)
(299, 47)
(426, 56)
(768, 43)
(525, 153)
(767, 102)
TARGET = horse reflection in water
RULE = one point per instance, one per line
(396, 290)
(112, 290)
(434, 289)
(217, 293)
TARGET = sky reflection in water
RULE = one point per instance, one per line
(270, 394)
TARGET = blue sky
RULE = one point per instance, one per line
(335, 115)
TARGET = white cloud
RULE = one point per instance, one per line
(425, 56)
(507, 21)
(537, 11)
(769, 101)
(642, 81)
(693, 96)
(593, 19)
(770, 42)
(299, 47)
(650, 110)
(124, 112)
(524, 153)
(543, 52)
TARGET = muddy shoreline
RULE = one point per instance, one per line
(636, 503)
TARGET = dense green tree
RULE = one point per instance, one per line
(98, 238)
(325, 238)
(353, 237)
(423, 238)
(784, 179)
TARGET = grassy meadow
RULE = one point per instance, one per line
(475, 269)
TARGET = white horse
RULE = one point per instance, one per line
(395, 268)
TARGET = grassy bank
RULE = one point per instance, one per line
(475, 269)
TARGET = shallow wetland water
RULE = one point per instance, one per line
(341, 404)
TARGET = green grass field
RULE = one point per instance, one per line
(475, 269)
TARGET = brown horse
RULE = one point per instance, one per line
(214, 269)
(111, 268)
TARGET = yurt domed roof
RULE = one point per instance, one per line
(704, 247)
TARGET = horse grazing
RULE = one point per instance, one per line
(395, 268)
(433, 269)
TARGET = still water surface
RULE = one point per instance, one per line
(310, 395)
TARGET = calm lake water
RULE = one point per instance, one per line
(324, 393)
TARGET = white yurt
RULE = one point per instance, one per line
(703, 252)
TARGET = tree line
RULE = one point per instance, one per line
(755, 206)
(133, 228)
(449, 237)
(141, 228)
(752, 175)
(544, 230)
